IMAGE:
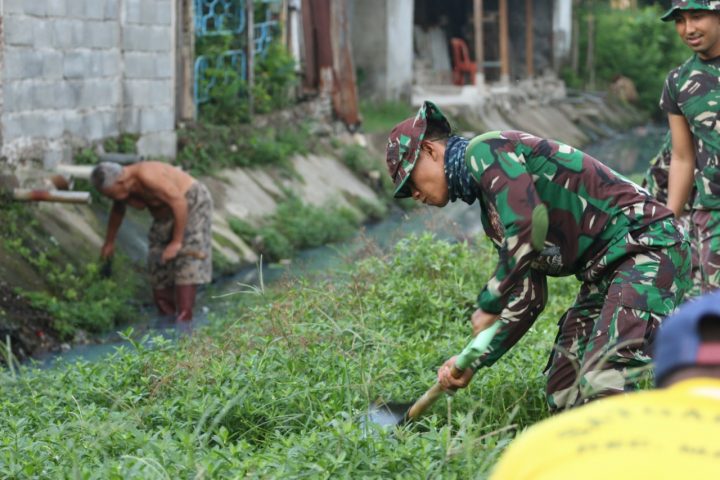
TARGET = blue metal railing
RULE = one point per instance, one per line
(219, 17)
(227, 17)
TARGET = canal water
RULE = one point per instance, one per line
(626, 152)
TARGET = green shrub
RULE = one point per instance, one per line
(76, 296)
(295, 226)
(204, 148)
(634, 43)
(274, 79)
(381, 117)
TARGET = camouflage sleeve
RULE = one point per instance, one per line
(668, 102)
(506, 184)
(526, 303)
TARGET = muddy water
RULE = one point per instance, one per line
(627, 152)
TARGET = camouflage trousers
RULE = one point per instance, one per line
(193, 264)
(608, 333)
(707, 230)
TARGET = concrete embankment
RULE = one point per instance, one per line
(319, 179)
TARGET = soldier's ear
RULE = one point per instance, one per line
(430, 147)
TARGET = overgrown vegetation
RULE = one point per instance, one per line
(278, 389)
(76, 296)
(204, 148)
(381, 117)
(225, 79)
(296, 225)
(633, 43)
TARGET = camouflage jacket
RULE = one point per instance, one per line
(656, 176)
(692, 90)
(593, 217)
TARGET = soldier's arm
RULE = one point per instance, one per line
(505, 182)
(526, 303)
(682, 164)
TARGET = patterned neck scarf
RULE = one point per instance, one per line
(460, 183)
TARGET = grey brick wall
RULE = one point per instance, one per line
(78, 71)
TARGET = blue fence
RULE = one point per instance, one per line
(227, 18)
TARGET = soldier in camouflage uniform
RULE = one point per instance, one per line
(179, 241)
(552, 210)
(656, 181)
(691, 98)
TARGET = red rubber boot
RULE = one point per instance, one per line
(185, 301)
(164, 300)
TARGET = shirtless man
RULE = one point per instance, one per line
(179, 241)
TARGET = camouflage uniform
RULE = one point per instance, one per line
(692, 90)
(553, 210)
(656, 181)
(193, 264)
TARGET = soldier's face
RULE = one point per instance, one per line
(427, 180)
(700, 30)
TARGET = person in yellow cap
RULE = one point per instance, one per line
(669, 433)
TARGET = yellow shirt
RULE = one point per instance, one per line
(671, 433)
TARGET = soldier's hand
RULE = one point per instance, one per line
(171, 251)
(449, 382)
(482, 320)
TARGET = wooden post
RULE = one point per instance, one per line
(250, 16)
(504, 47)
(283, 21)
(479, 52)
(590, 55)
(185, 69)
(529, 39)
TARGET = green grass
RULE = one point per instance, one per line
(382, 117)
(276, 388)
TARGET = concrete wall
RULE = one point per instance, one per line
(77, 71)
(400, 14)
(382, 43)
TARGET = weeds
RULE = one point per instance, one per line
(296, 225)
(204, 149)
(76, 296)
(276, 388)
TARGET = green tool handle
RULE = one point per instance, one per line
(470, 353)
(476, 347)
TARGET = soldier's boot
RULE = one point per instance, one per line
(164, 300)
(185, 300)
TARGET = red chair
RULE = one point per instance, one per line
(461, 62)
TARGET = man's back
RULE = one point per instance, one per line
(589, 206)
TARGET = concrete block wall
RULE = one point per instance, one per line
(78, 71)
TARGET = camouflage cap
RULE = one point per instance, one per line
(403, 146)
(690, 5)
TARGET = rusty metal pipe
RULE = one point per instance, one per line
(27, 195)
